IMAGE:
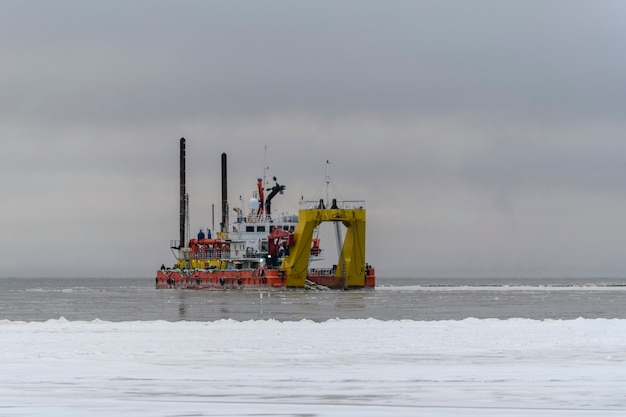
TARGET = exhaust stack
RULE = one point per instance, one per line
(183, 208)
(224, 224)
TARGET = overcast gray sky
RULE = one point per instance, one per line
(488, 137)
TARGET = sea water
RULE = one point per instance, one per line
(110, 347)
(119, 299)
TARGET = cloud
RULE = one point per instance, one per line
(561, 156)
(154, 60)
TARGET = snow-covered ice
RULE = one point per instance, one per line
(472, 367)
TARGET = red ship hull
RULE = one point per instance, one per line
(239, 279)
(218, 279)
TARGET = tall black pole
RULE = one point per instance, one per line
(182, 193)
(224, 225)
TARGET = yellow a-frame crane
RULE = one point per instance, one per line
(351, 264)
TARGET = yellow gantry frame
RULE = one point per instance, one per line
(351, 264)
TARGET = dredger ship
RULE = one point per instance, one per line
(261, 250)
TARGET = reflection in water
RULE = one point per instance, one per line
(182, 305)
(352, 300)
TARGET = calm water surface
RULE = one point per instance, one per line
(121, 299)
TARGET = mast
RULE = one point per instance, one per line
(263, 215)
(327, 180)
(265, 183)
(334, 205)
(183, 195)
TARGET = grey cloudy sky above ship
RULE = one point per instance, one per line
(486, 137)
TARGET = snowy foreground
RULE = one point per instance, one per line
(472, 367)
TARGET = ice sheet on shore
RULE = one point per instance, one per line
(335, 368)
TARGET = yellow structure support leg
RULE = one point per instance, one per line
(353, 250)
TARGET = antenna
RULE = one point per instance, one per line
(327, 180)
(265, 167)
(338, 238)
